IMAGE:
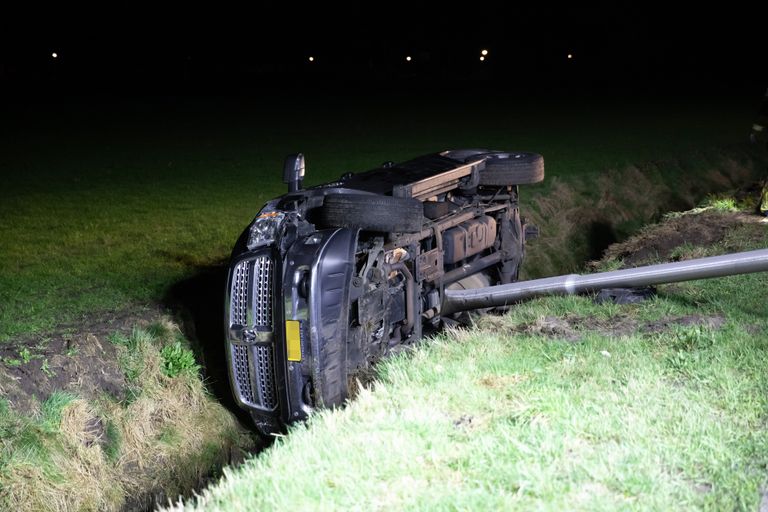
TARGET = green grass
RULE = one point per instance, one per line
(178, 359)
(501, 418)
(100, 211)
(28, 440)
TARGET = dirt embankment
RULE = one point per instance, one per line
(679, 236)
(112, 417)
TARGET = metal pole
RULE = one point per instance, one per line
(702, 268)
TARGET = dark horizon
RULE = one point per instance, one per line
(625, 48)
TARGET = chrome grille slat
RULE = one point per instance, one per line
(266, 373)
(239, 294)
(262, 293)
(241, 360)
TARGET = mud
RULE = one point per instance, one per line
(676, 237)
(575, 328)
(80, 359)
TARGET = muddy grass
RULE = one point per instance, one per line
(132, 433)
(574, 328)
(678, 237)
(87, 360)
(77, 358)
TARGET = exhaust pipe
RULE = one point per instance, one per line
(702, 268)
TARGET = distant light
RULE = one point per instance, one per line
(408, 58)
(311, 59)
(55, 55)
(570, 55)
(482, 58)
(484, 52)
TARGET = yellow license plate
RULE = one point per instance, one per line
(293, 339)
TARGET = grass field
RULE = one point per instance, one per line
(106, 206)
(108, 210)
(562, 404)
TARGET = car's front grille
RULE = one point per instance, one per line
(250, 311)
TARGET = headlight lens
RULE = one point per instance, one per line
(264, 229)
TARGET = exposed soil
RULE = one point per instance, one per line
(573, 328)
(77, 358)
(662, 242)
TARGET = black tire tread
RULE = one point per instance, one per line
(504, 167)
(372, 212)
(333, 373)
(525, 170)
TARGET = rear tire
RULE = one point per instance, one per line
(504, 167)
(372, 212)
(518, 168)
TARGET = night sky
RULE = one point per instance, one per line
(216, 49)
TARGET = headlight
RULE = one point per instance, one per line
(264, 229)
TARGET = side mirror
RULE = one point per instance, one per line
(293, 172)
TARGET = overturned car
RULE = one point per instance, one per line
(327, 280)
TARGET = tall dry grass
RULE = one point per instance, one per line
(577, 219)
